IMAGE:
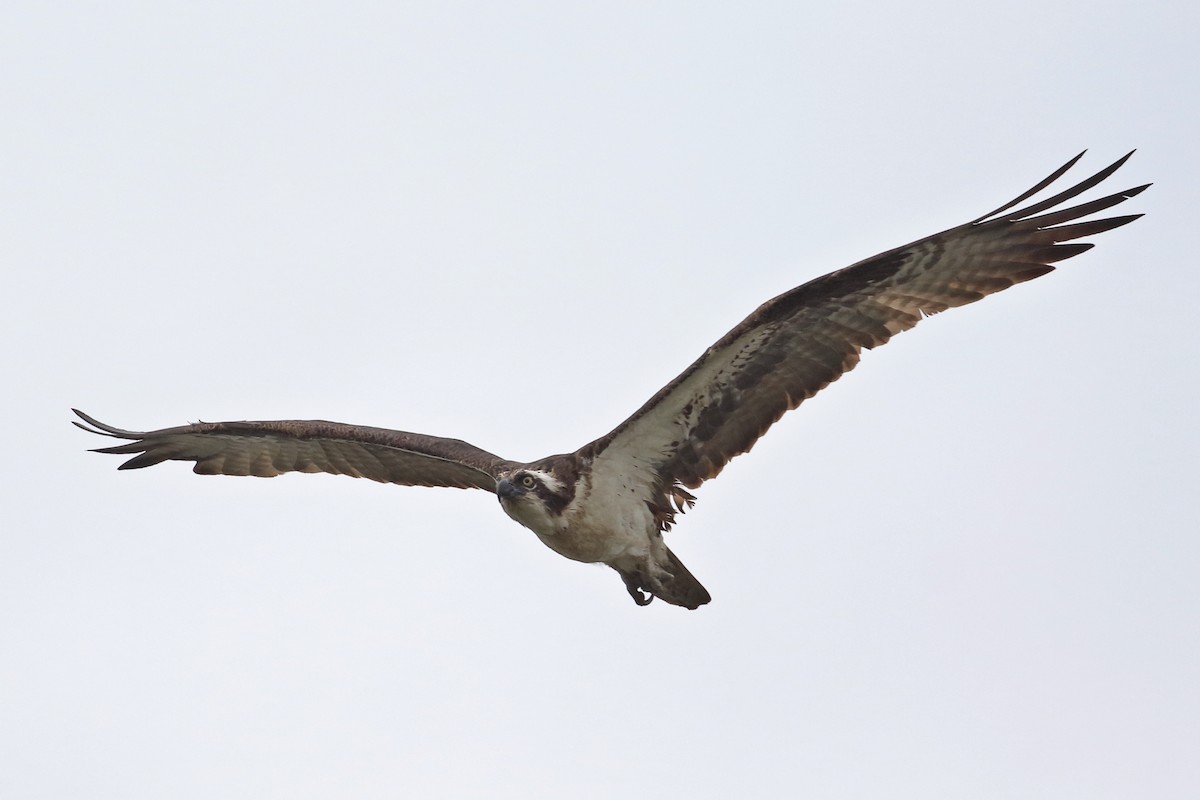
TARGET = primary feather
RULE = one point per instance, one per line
(612, 499)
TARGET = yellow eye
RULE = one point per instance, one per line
(528, 482)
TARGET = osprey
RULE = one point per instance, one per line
(612, 500)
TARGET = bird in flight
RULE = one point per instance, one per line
(612, 500)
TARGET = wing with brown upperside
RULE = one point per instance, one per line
(267, 449)
(796, 344)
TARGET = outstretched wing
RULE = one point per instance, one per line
(798, 343)
(267, 449)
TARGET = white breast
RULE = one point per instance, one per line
(607, 521)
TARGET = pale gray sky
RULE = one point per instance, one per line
(969, 569)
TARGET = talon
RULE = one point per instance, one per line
(638, 597)
(634, 587)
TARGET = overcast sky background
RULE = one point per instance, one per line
(968, 569)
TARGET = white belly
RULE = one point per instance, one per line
(600, 532)
(606, 523)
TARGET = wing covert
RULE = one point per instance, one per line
(267, 449)
(796, 344)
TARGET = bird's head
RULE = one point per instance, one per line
(535, 498)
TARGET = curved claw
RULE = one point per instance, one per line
(639, 598)
(634, 587)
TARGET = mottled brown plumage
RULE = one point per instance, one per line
(267, 449)
(611, 500)
(798, 343)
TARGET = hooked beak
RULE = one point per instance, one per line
(508, 490)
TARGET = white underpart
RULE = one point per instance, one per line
(610, 518)
(608, 521)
